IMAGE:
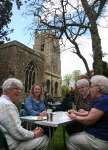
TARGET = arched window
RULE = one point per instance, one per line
(56, 87)
(48, 85)
(52, 87)
(29, 76)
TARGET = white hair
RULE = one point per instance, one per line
(11, 83)
(82, 82)
(100, 81)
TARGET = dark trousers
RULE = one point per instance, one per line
(74, 127)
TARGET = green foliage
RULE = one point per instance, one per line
(5, 18)
(65, 90)
(59, 139)
(75, 75)
(67, 79)
(5, 15)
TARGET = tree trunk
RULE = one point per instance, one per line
(96, 48)
(96, 42)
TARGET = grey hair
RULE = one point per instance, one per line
(100, 81)
(82, 82)
(11, 83)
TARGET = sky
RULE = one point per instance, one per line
(69, 61)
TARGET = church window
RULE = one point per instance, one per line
(48, 85)
(29, 76)
(56, 87)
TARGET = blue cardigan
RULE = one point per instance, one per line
(33, 107)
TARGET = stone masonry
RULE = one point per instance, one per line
(38, 65)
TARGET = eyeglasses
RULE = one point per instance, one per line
(92, 86)
(81, 87)
(18, 89)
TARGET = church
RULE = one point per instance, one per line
(38, 65)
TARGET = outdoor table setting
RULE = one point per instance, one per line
(52, 120)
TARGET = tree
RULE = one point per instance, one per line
(5, 18)
(76, 75)
(65, 90)
(93, 15)
(67, 79)
(72, 18)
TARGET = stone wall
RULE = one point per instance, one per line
(33, 65)
(14, 59)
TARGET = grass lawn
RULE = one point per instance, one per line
(58, 139)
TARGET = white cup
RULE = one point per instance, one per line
(49, 110)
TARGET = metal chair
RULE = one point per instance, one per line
(3, 142)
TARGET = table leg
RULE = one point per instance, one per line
(51, 141)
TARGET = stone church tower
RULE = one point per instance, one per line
(48, 45)
(38, 65)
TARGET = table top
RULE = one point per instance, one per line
(58, 118)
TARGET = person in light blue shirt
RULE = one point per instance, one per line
(35, 104)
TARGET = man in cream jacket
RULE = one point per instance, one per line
(17, 137)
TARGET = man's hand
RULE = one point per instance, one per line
(38, 132)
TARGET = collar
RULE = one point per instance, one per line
(6, 97)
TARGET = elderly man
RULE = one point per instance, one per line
(17, 137)
(95, 135)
